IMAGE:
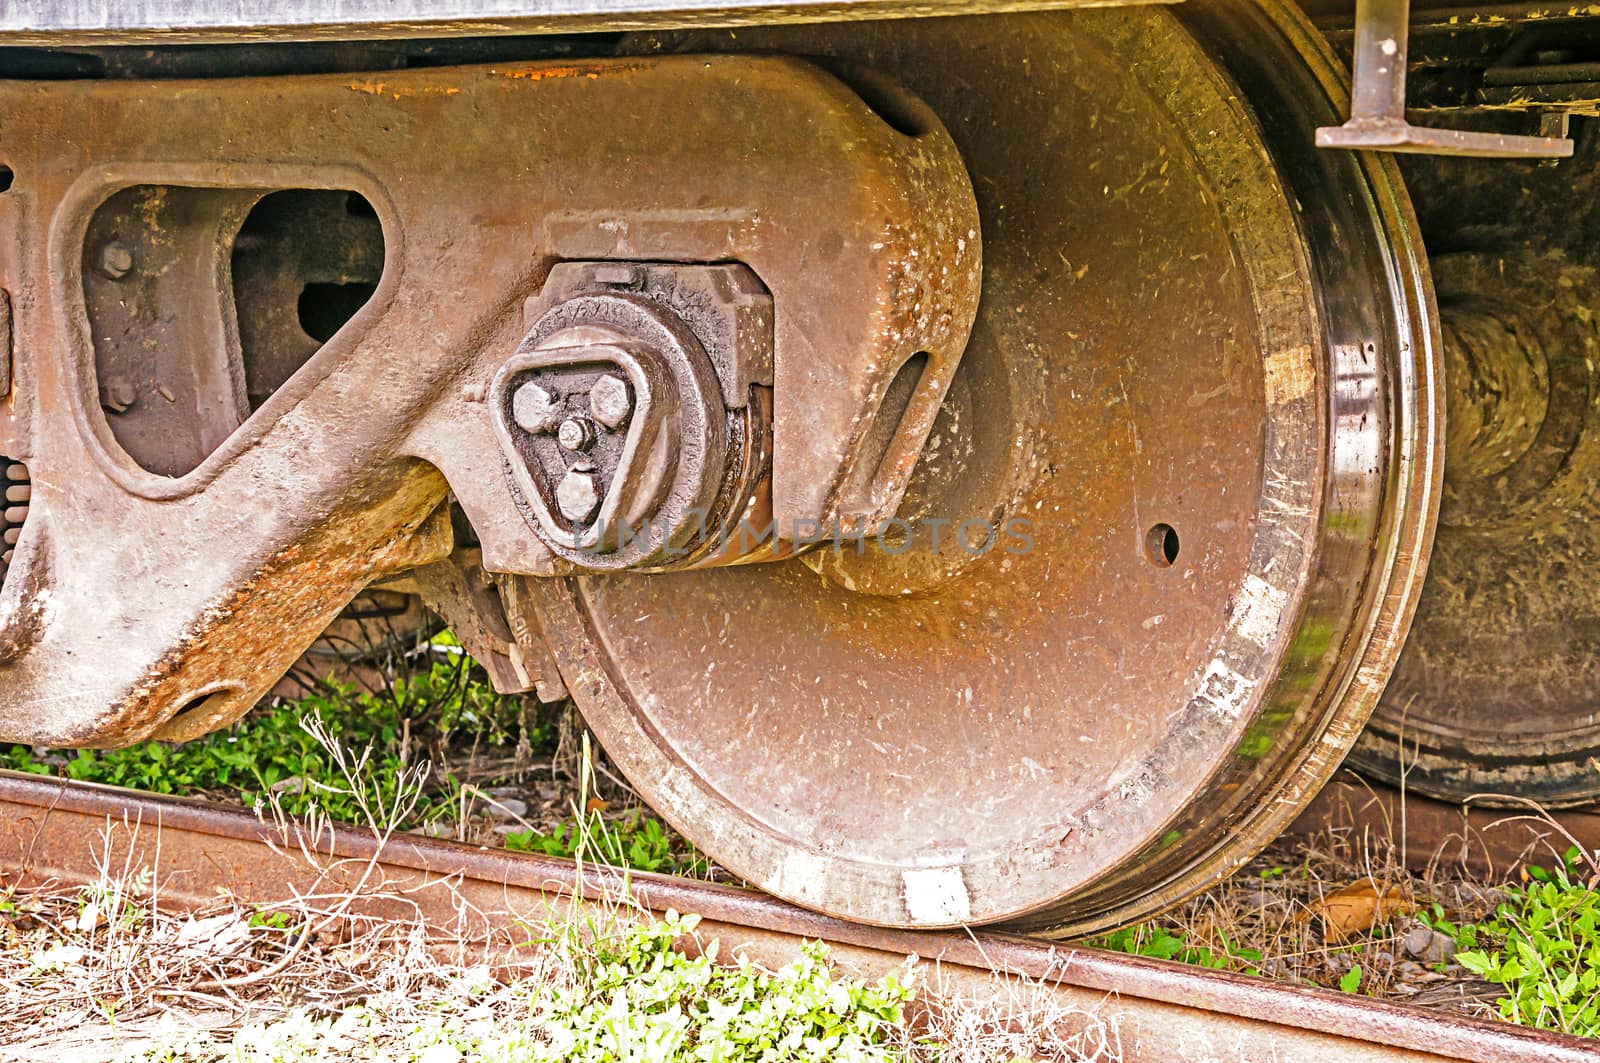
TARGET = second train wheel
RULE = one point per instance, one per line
(1496, 698)
(1202, 377)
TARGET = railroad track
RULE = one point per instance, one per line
(51, 830)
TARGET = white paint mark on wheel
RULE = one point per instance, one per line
(937, 895)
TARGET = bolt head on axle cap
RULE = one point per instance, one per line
(535, 408)
(578, 495)
(610, 402)
(575, 434)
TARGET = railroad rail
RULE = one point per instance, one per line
(51, 830)
(1477, 836)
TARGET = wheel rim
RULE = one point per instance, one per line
(1072, 735)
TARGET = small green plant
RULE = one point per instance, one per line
(637, 842)
(1161, 943)
(632, 993)
(639, 990)
(273, 753)
(270, 920)
(1542, 944)
(1351, 981)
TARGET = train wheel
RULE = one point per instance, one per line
(1494, 698)
(1187, 477)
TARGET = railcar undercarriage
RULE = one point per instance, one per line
(966, 469)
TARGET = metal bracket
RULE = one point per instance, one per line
(1378, 101)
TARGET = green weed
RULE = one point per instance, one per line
(1542, 944)
(638, 990)
(637, 842)
(1351, 981)
(1161, 943)
(274, 751)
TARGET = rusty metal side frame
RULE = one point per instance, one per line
(1164, 1011)
(482, 179)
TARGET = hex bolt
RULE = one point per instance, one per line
(115, 260)
(535, 408)
(578, 495)
(609, 401)
(117, 394)
(575, 434)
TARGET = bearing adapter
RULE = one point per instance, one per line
(635, 414)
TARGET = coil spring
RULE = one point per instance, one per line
(19, 489)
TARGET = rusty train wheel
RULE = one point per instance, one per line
(1202, 379)
(1494, 698)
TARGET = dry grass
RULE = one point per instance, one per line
(1018, 1021)
(1311, 908)
(106, 972)
(85, 962)
(81, 965)
(116, 971)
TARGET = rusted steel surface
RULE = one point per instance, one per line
(638, 417)
(1194, 385)
(189, 534)
(1163, 1012)
(164, 21)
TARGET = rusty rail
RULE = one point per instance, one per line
(1480, 837)
(51, 830)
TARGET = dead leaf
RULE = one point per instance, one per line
(89, 919)
(350, 958)
(219, 935)
(1357, 908)
(595, 805)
